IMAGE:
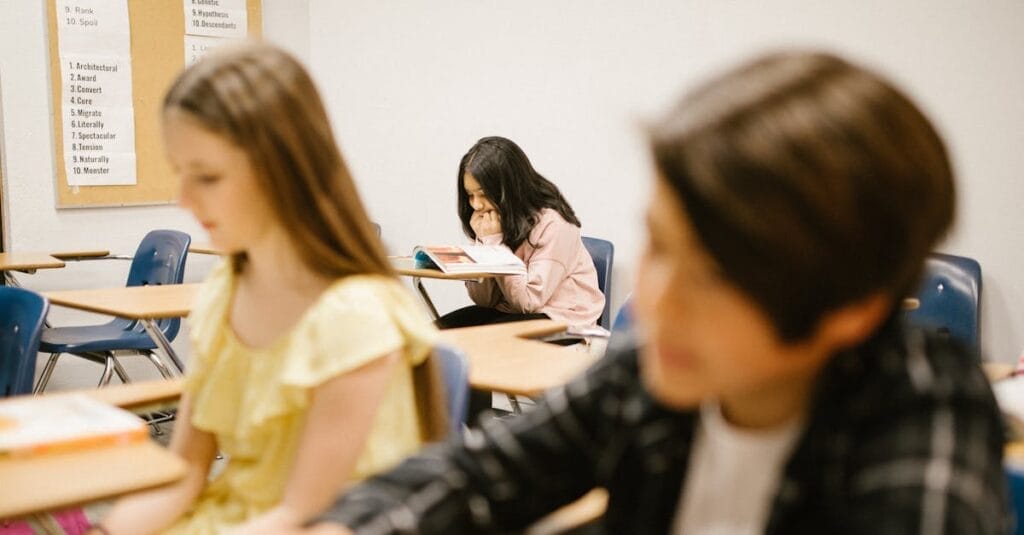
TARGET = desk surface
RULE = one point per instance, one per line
(83, 254)
(61, 480)
(503, 359)
(28, 261)
(203, 248)
(134, 302)
(404, 265)
(144, 396)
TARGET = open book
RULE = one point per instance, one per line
(469, 259)
(47, 424)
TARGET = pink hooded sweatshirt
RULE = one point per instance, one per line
(561, 280)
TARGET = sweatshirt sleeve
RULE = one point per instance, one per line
(555, 244)
(485, 292)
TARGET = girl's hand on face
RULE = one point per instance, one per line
(485, 223)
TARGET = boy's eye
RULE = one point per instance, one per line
(207, 179)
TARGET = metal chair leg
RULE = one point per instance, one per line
(119, 370)
(108, 371)
(159, 363)
(44, 379)
(158, 336)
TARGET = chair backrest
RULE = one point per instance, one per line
(455, 371)
(603, 253)
(160, 259)
(950, 298)
(22, 314)
(624, 319)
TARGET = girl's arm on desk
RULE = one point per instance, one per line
(155, 510)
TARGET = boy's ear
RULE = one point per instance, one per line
(854, 322)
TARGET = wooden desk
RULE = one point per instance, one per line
(27, 262)
(87, 254)
(204, 248)
(143, 303)
(61, 480)
(405, 265)
(143, 397)
(502, 358)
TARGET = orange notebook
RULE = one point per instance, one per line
(48, 424)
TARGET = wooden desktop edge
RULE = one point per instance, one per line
(73, 299)
(81, 477)
(137, 397)
(405, 265)
(28, 262)
(81, 255)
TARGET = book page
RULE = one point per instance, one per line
(493, 255)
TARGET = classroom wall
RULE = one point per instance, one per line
(33, 222)
(411, 85)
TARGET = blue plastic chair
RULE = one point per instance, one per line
(22, 313)
(603, 253)
(950, 298)
(455, 370)
(160, 259)
(624, 319)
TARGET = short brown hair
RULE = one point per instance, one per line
(811, 181)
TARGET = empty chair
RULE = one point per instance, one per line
(949, 298)
(603, 254)
(22, 313)
(160, 259)
(454, 369)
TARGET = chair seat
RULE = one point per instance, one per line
(118, 334)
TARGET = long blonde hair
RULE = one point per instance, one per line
(261, 99)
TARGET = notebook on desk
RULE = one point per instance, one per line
(32, 426)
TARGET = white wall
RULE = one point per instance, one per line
(411, 85)
(33, 222)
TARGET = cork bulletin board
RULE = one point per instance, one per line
(157, 55)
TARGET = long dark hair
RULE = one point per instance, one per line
(512, 185)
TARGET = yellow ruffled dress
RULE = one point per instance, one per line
(254, 400)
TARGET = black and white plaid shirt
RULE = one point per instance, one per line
(904, 437)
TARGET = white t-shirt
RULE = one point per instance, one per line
(733, 475)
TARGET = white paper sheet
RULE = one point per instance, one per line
(105, 169)
(216, 18)
(99, 129)
(97, 110)
(96, 81)
(197, 46)
(93, 27)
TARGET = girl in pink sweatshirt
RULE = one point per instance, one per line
(503, 200)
